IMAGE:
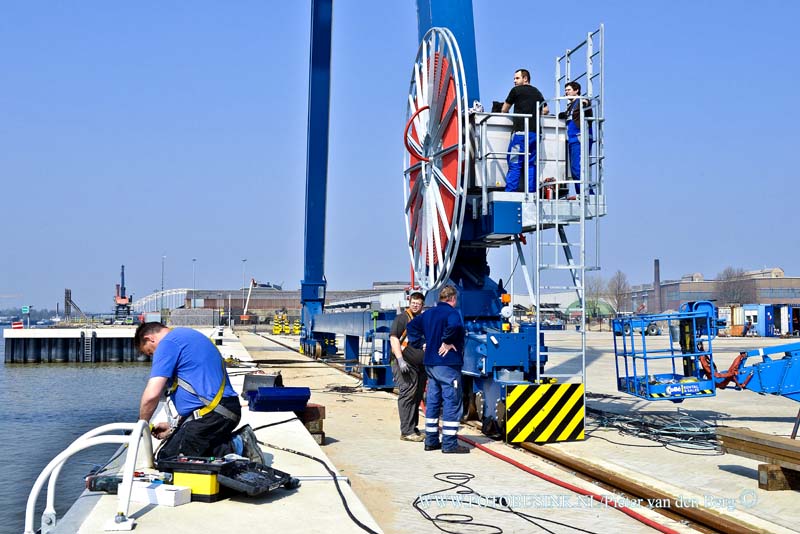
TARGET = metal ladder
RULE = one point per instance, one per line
(565, 249)
(87, 346)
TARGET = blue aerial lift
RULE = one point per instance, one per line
(675, 372)
(685, 368)
(456, 210)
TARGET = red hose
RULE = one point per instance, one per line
(405, 134)
(576, 489)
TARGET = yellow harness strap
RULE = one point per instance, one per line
(213, 404)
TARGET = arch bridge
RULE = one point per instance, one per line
(159, 300)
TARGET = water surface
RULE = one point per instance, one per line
(44, 408)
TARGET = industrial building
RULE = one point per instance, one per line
(266, 301)
(770, 286)
(774, 308)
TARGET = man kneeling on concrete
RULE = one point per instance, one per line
(189, 367)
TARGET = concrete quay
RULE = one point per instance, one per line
(724, 485)
(387, 476)
(314, 507)
(70, 345)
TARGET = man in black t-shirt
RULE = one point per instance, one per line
(408, 371)
(525, 98)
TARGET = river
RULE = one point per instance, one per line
(44, 408)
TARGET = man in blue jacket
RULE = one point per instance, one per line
(572, 115)
(442, 331)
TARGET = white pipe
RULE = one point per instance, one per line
(83, 443)
(51, 486)
(124, 490)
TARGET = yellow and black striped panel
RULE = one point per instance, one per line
(544, 413)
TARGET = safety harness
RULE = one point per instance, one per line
(403, 336)
(212, 405)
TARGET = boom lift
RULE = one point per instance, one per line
(673, 373)
(686, 368)
(244, 317)
(456, 211)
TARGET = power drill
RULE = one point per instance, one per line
(104, 483)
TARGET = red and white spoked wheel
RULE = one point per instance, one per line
(435, 166)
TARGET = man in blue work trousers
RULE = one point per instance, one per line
(572, 90)
(442, 331)
(191, 366)
(525, 98)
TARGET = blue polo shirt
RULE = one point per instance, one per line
(188, 354)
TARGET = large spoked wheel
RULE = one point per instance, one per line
(436, 166)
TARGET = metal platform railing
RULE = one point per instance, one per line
(50, 473)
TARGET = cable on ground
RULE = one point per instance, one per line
(678, 433)
(334, 476)
(458, 483)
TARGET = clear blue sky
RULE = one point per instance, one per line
(136, 130)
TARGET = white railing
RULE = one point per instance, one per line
(140, 432)
(159, 300)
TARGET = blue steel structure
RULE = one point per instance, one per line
(689, 361)
(494, 356)
(455, 15)
(312, 287)
(778, 372)
(674, 373)
(318, 331)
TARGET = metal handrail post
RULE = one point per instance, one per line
(139, 429)
(484, 173)
(51, 486)
(527, 155)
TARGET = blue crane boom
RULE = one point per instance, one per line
(456, 14)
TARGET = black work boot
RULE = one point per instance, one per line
(252, 450)
(459, 449)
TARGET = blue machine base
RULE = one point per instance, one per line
(377, 377)
(671, 387)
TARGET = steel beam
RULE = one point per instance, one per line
(312, 287)
(456, 15)
(355, 323)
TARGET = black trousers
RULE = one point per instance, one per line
(208, 436)
(411, 387)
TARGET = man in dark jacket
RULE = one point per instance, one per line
(442, 331)
(408, 370)
(572, 115)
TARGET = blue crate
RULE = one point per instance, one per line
(278, 399)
